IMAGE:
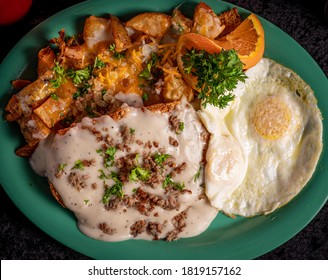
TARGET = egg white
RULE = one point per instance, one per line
(271, 166)
(225, 166)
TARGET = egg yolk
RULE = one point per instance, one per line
(271, 118)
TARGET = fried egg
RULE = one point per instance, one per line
(225, 163)
(265, 147)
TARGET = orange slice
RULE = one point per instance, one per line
(196, 41)
(247, 39)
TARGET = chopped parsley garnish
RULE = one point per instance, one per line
(169, 182)
(181, 126)
(117, 55)
(179, 186)
(139, 173)
(79, 76)
(146, 73)
(59, 76)
(108, 156)
(90, 112)
(61, 167)
(98, 63)
(54, 96)
(82, 90)
(197, 175)
(115, 190)
(78, 165)
(145, 96)
(217, 74)
(102, 175)
(160, 158)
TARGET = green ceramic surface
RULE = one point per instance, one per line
(226, 238)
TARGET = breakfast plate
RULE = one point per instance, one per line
(226, 238)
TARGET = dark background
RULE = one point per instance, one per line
(305, 21)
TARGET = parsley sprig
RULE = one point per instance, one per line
(217, 74)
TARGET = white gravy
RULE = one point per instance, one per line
(81, 143)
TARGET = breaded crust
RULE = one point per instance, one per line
(56, 194)
(160, 107)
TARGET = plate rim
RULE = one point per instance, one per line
(82, 4)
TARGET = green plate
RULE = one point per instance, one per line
(226, 238)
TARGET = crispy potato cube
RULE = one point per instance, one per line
(33, 129)
(77, 57)
(175, 87)
(30, 97)
(206, 22)
(46, 60)
(97, 30)
(230, 19)
(152, 23)
(180, 23)
(121, 38)
(56, 107)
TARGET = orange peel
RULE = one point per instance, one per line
(247, 39)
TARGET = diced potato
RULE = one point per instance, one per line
(53, 110)
(121, 38)
(56, 107)
(206, 22)
(97, 30)
(77, 57)
(174, 87)
(33, 129)
(152, 23)
(46, 60)
(28, 98)
(180, 23)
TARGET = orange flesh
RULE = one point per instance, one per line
(247, 39)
